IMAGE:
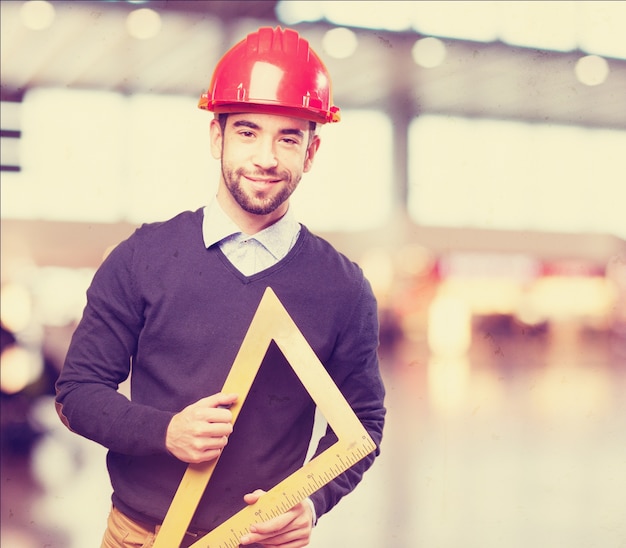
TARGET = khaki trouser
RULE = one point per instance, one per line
(123, 532)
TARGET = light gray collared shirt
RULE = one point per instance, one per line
(250, 254)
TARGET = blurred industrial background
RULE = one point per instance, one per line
(478, 176)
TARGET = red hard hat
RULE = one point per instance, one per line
(272, 71)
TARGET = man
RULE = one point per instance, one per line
(173, 302)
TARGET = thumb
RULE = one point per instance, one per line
(251, 498)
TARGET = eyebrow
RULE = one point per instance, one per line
(285, 131)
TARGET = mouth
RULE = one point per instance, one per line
(261, 183)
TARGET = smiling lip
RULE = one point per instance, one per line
(260, 182)
(262, 179)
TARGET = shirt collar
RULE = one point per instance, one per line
(216, 225)
(277, 238)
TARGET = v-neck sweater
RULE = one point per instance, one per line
(174, 313)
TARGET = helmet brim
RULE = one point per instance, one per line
(319, 117)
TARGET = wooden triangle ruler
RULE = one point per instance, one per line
(272, 322)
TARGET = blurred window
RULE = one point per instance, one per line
(349, 186)
(70, 157)
(94, 156)
(594, 27)
(509, 175)
(169, 160)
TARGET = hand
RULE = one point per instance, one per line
(200, 431)
(289, 530)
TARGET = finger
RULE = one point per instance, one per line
(203, 456)
(297, 519)
(251, 498)
(208, 416)
(214, 427)
(283, 538)
(219, 399)
(207, 430)
(211, 442)
(227, 400)
(275, 525)
(287, 520)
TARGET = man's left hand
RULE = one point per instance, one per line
(289, 530)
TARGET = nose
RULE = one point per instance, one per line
(264, 154)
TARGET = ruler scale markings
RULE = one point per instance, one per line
(217, 534)
(271, 322)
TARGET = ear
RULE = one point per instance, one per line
(311, 152)
(217, 139)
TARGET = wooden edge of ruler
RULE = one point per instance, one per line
(271, 321)
(289, 492)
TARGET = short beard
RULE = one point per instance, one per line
(264, 206)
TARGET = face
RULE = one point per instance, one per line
(263, 157)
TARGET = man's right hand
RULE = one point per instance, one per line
(200, 431)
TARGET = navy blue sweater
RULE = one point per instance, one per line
(174, 313)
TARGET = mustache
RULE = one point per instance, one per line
(273, 173)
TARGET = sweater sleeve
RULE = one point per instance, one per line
(99, 359)
(362, 386)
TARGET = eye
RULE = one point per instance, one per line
(291, 141)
